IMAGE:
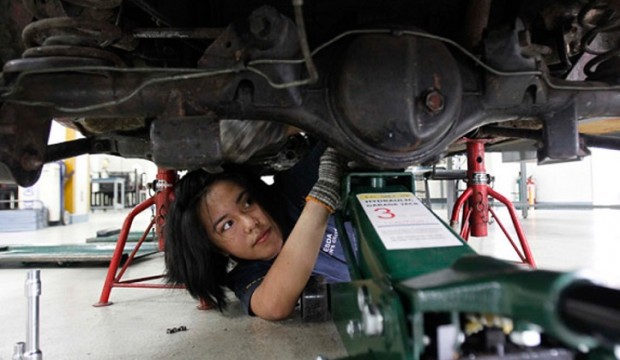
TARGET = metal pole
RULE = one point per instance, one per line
(523, 199)
(33, 291)
(451, 192)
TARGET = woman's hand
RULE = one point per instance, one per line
(327, 188)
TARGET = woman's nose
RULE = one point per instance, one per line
(250, 222)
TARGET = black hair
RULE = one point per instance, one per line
(191, 258)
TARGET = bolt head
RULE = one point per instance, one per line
(434, 101)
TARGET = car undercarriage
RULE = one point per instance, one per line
(388, 83)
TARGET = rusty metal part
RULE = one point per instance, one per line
(193, 142)
(523, 123)
(364, 125)
(83, 33)
(100, 31)
(177, 33)
(74, 51)
(14, 67)
(273, 38)
(434, 101)
(504, 48)
(102, 126)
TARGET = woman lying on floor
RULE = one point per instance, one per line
(231, 229)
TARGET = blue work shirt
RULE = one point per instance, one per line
(331, 264)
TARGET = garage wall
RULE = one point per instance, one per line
(591, 181)
(569, 182)
(606, 175)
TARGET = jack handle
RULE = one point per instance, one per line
(30, 349)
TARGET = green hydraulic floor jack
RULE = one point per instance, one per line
(418, 291)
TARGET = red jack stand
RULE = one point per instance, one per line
(164, 184)
(475, 203)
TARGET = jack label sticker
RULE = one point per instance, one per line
(403, 222)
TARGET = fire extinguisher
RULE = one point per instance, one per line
(531, 191)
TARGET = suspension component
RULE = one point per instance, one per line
(602, 23)
(55, 34)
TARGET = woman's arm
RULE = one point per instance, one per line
(276, 296)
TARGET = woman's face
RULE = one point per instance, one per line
(237, 224)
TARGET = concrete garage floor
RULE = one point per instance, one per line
(134, 327)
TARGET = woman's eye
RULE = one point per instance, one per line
(248, 202)
(227, 225)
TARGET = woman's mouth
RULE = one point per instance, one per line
(263, 237)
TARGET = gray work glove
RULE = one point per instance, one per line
(326, 190)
